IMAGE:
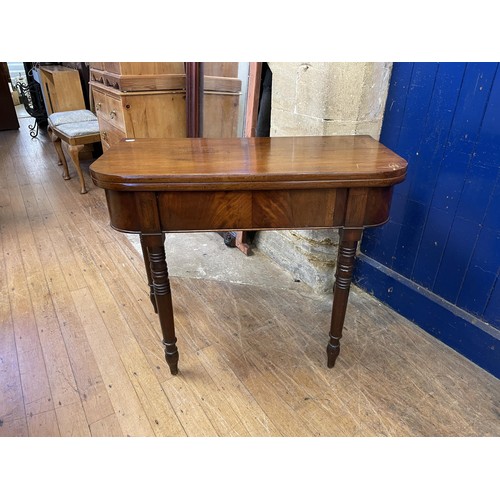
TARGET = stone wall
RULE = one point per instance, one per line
(321, 99)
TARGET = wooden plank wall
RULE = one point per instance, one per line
(444, 232)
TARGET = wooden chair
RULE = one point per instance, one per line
(76, 128)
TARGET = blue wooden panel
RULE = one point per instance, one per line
(481, 274)
(477, 191)
(492, 312)
(492, 216)
(409, 237)
(488, 144)
(370, 241)
(380, 243)
(418, 98)
(456, 257)
(413, 123)
(397, 206)
(474, 95)
(396, 102)
(450, 181)
(435, 133)
(431, 247)
(444, 234)
(467, 119)
(412, 134)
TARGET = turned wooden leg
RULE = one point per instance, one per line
(60, 153)
(349, 239)
(154, 245)
(74, 152)
(147, 265)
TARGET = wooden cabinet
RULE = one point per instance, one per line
(61, 88)
(148, 100)
(8, 116)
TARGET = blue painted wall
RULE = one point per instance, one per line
(444, 232)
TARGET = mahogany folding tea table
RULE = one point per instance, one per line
(156, 186)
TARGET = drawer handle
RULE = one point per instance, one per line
(112, 114)
(98, 106)
(105, 136)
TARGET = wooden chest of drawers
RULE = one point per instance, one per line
(154, 114)
(158, 109)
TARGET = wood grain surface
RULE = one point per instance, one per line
(249, 163)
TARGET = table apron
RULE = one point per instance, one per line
(178, 211)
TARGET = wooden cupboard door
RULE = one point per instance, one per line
(220, 115)
(155, 115)
(225, 69)
(8, 116)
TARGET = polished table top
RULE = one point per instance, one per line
(253, 163)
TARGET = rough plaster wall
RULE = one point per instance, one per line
(321, 99)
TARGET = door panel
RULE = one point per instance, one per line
(8, 116)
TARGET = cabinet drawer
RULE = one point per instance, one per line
(109, 135)
(115, 112)
(100, 103)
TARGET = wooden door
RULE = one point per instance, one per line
(8, 116)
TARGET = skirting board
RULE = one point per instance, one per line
(476, 340)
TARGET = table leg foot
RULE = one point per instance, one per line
(343, 276)
(172, 357)
(332, 352)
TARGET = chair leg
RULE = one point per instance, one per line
(60, 154)
(74, 151)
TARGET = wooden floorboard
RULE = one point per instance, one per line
(80, 349)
